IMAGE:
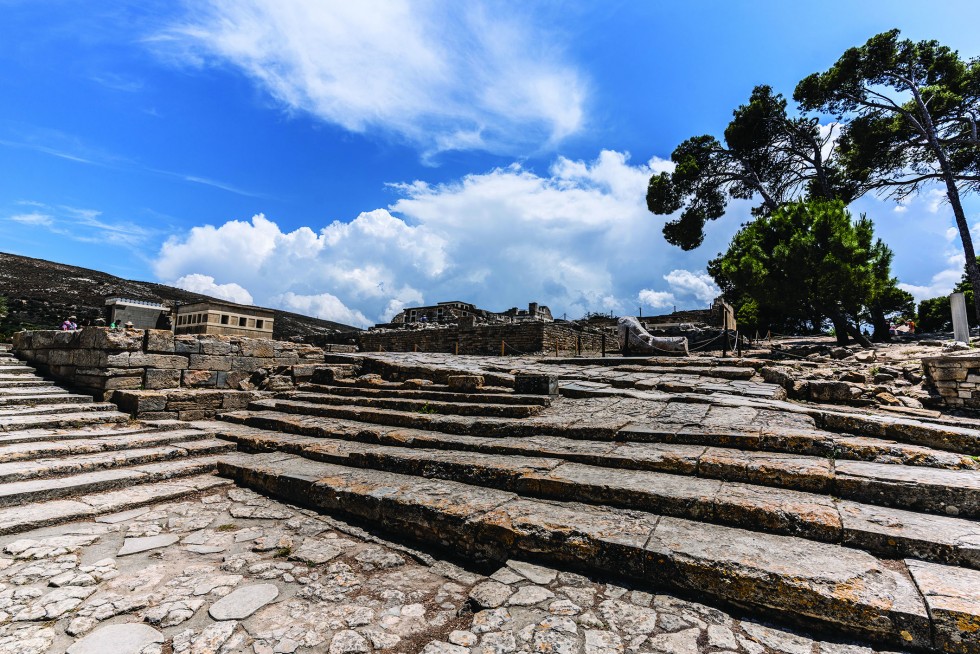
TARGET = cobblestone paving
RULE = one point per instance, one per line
(282, 580)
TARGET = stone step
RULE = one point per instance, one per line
(44, 398)
(41, 449)
(46, 408)
(428, 394)
(840, 589)
(17, 519)
(930, 489)
(784, 511)
(421, 406)
(40, 490)
(790, 441)
(44, 468)
(41, 435)
(451, 424)
(24, 381)
(15, 372)
(801, 441)
(718, 372)
(17, 391)
(69, 419)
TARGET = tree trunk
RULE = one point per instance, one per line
(882, 333)
(840, 329)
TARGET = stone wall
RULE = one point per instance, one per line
(100, 360)
(955, 378)
(517, 338)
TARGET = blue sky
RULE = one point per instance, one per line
(348, 159)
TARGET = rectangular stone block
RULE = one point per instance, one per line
(91, 358)
(209, 362)
(233, 379)
(196, 414)
(61, 357)
(285, 360)
(103, 338)
(257, 347)
(55, 339)
(200, 378)
(215, 345)
(947, 374)
(249, 363)
(187, 344)
(137, 402)
(237, 400)
(194, 399)
(157, 378)
(528, 384)
(144, 360)
(158, 415)
(117, 359)
(160, 340)
(117, 383)
(110, 372)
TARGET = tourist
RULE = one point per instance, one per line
(69, 325)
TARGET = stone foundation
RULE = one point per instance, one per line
(956, 379)
(182, 403)
(100, 360)
(514, 338)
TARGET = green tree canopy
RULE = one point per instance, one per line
(808, 261)
(909, 113)
(766, 154)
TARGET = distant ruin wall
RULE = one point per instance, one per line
(517, 338)
(956, 379)
(100, 360)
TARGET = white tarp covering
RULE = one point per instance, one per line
(634, 340)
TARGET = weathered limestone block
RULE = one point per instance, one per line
(209, 362)
(303, 372)
(23, 341)
(286, 360)
(157, 378)
(181, 400)
(829, 391)
(238, 400)
(91, 358)
(952, 597)
(235, 379)
(215, 345)
(528, 384)
(56, 339)
(200, 378)
(139, 402)
(160, 340)
(103, 338)
(187, 344)
(144, 360)
(257, 347)
(465, 383)
(249, 363)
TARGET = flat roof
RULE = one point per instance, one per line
(229, 306)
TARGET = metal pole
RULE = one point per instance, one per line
(724, 343)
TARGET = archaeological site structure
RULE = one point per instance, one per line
(219, 493)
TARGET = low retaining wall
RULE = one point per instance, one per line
(182, 403)
(516, 338)
(100, 360)
(956, 379)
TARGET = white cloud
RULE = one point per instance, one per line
(443, 76)
(36, 218)
(656, 299)
(577, 239)
(698, 284)
(206, 285)
(323, 305)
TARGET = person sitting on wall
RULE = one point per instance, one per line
(69, 325)
(129, 325)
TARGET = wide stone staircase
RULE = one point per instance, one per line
(844, 523)
(64, 457)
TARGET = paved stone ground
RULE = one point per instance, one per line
(334, 588)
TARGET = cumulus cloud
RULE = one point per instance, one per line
(578, 238)
(206, 285)
(699, 284)
(444, 76)
(656, 299)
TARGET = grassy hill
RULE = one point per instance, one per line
(39, 294)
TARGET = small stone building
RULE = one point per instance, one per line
(223, 318)
(143, 314)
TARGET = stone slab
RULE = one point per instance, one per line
(145, 543)
(128, 638)
(243, 602)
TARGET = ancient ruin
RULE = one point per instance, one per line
(253, 496)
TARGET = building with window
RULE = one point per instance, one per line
(143, 314)
(224, 318)
(454, 311)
